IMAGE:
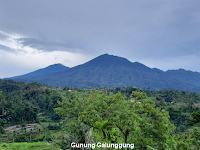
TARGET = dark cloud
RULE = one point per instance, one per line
(138, 30)
(53, 45)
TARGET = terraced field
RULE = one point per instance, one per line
(27, 146)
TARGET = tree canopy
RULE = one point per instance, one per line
(116, 120)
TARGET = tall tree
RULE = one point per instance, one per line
(117, 120)
(2, 103)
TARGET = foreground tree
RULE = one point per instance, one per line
(116, 120)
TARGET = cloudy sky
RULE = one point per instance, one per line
(157, 33)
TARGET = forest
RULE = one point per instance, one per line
(164, 119)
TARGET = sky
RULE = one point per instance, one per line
(160, 34)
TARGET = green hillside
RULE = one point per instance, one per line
(33, 116)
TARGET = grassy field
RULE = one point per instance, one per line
(27, 146)
(47, 123)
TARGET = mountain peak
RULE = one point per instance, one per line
(109, 60)
(112, 71)
(44, 71)
(56, 65)
(112, 57)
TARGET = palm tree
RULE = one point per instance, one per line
(2, 103)
(31, 134)
(14, 135)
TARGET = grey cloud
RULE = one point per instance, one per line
(53, 45)
(5, 48)
(137, 30)
(3, 36)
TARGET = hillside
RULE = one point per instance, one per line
(43, 72)
(112, 71)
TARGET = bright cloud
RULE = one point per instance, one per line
(31, 59)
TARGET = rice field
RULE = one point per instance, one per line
(27, 146)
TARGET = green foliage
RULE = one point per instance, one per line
(179, 104)
(170, 144)
(33, 135)
(27, 146)
(72, 131)
(92, 116)
(21, 102)
(195, 138)
(66, 88)
(190, 140)
(139, 95)
(195, 119)
(113, 119)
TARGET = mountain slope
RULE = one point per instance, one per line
(112, 71)
(43, 72)
(186, 76)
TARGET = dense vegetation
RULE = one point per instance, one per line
(143, 120)
(151, 119)
(179, 104)
(117, 120)
(21, 102)
(112, 71)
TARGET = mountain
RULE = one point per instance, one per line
(112, 71)
(52, 69)
(186, 76)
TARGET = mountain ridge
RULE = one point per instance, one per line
(112, 71)
(45, 71)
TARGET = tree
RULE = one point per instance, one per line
(14, 136)
(18, 114)
(66, 88)
(2, 103)
(195, 119)
(116, 120)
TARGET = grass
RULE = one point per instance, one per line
(47, 123)
(27, 146)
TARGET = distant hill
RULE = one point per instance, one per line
(113, 71)
(186, 76)
(52, 69)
